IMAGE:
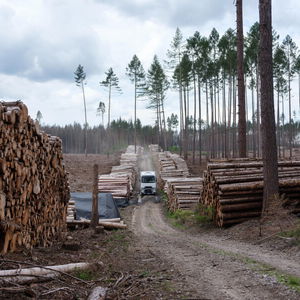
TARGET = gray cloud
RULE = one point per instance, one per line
(45, 53)
(172, 12)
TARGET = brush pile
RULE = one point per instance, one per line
(234, 188)
(34, 189)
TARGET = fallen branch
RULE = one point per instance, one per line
(27, 274)
(104, 224)
(55, 290)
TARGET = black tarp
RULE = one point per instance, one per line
(107, 206)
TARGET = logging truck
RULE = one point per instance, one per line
(148, 183)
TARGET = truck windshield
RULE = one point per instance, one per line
(148, 179)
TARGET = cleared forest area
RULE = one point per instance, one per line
(217, 214)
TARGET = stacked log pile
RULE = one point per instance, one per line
(34, 189)
(171, 165)
(183, 191)
(235, 188)
(154, 148)
(121, 180)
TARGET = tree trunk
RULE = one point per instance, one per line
(234, 117)
(135, 86)
(290, 113)
(85, 120)
(269, 148)
(199, 99)
(253, 124)
(241, 84)
(278, 121)
(195, 118)
(95, 212)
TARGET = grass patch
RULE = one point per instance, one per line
(85, 274)
(293, 233)
(202, 216)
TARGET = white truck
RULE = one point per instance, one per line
(148, 183)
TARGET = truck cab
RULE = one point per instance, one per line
(148, 183)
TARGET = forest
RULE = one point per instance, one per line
(203, 71)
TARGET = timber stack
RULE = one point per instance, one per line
(183, 191)
(171, 165)
(34, 189)
(121, 180)
(234, 188)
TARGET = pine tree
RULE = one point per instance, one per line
(80, 77)
(174, 55)
(112, 83)
(136, 74)
(158, 84)
(290, 49)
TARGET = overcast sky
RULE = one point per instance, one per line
(43, 41)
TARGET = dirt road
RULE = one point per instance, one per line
(214, 267)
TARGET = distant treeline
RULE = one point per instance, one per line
(121, 133)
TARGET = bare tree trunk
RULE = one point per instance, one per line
(181, 120)
(229, 111)
(207, 121)
(234, 119)
(212, 122)
(253, 124)
(258, 111)
(85, 120)
(290, 115)
(241, 83)
(278, 122)
(164, 123)
(135, 86)
(283, 131)
(269, 148)
(195, 118)
(200, 125)
(225, 154)
(185, 142)
(95, 212)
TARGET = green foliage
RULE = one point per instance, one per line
(157, 84)
(79, 75)
(85, 274)
(174, 149)
(188, 217)
(136, 75)
(111, 80)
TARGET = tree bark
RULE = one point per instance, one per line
(241, 83)
(269, 148)
(85, 119)
(95, 212)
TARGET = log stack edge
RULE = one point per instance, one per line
(34, 188)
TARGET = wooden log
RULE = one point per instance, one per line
(112, 225)
(28, 274)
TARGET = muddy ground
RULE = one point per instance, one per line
(155, 258)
